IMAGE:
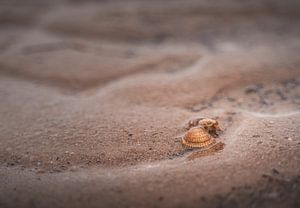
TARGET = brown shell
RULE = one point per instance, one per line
(198, 137)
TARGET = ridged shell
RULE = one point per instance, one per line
(198, 137)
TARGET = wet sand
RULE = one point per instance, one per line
(95, 96)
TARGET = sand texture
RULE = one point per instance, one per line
(96, 96)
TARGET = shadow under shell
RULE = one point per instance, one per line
(207, 151)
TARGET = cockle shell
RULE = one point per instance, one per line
(198, 137)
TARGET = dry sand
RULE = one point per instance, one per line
(95, 96)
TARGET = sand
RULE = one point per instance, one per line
(96, 95)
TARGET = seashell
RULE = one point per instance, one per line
(210, 125)
(198, 137)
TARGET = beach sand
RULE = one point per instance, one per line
(96, 95)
